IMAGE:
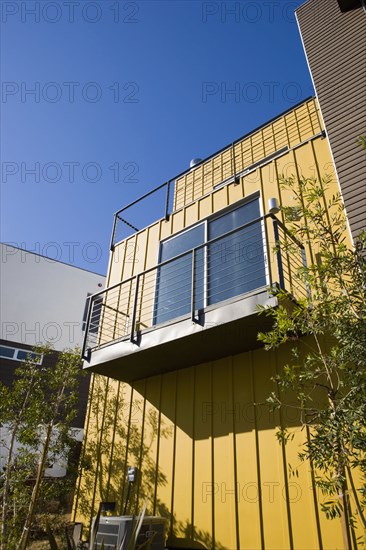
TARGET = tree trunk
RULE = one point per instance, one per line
(5, 499)
(6, 487)
(41, 468)
(23, 542)
(345, 520)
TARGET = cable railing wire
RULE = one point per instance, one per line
(163, 293)
(244, 152)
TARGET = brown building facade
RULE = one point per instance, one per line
(334, 37)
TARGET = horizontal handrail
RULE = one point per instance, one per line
(219, 152)
(207, 243)
(142, 197)
(226, 148)
(158, 295)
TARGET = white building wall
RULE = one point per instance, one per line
(43, 299)
(58, 465)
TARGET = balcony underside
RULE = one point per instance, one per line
(226, 329)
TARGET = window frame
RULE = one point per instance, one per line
(161, 243)
(22, 350)
(256, 196)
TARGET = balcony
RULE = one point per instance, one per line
(231, 164)
(198, 304)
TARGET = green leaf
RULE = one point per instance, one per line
(325, 377)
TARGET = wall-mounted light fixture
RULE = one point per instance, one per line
(132, 473)
(273, 207)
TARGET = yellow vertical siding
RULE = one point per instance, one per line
(205, 207)
(290, 130)
(141, 250)
(302, 506)
(203, 448)
(183, 461)
(310, 157)
(204, 441)
(250, 511)
(203, 437)
(167, 437)
(149, 462)
(191, 214)
(224, 477)
(276, 520)
(141, 247)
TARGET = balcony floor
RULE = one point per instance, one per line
(224, 329)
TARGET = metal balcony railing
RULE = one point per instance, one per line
(228, 165)
(254, 256)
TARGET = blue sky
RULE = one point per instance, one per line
(103, 100)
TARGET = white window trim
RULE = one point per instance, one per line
(256, 195)
(15, 354)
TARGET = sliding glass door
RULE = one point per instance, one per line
(174, 279)
(231, 265)
(235, 263)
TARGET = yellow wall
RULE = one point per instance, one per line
(290, 130)
(296, 129)
(202, 436)
(309, 156)
(205, 443)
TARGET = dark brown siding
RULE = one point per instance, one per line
(9, 366)
(335, 47)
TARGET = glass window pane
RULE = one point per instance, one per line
(174, 280)
(234, 219)
(230, 266)
(182, 243)
(85, 314)
(95, 314)
(7, 352)
(236, 262)
(22, 355)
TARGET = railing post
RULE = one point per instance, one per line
(133, 320)
(167, 201)
(193, 304)
(234, 164)
(279, 255)
(305, 264)
(86, 333)
(266, 251)
(113, 232)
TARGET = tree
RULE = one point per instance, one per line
(327, 331)
(36, 416)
